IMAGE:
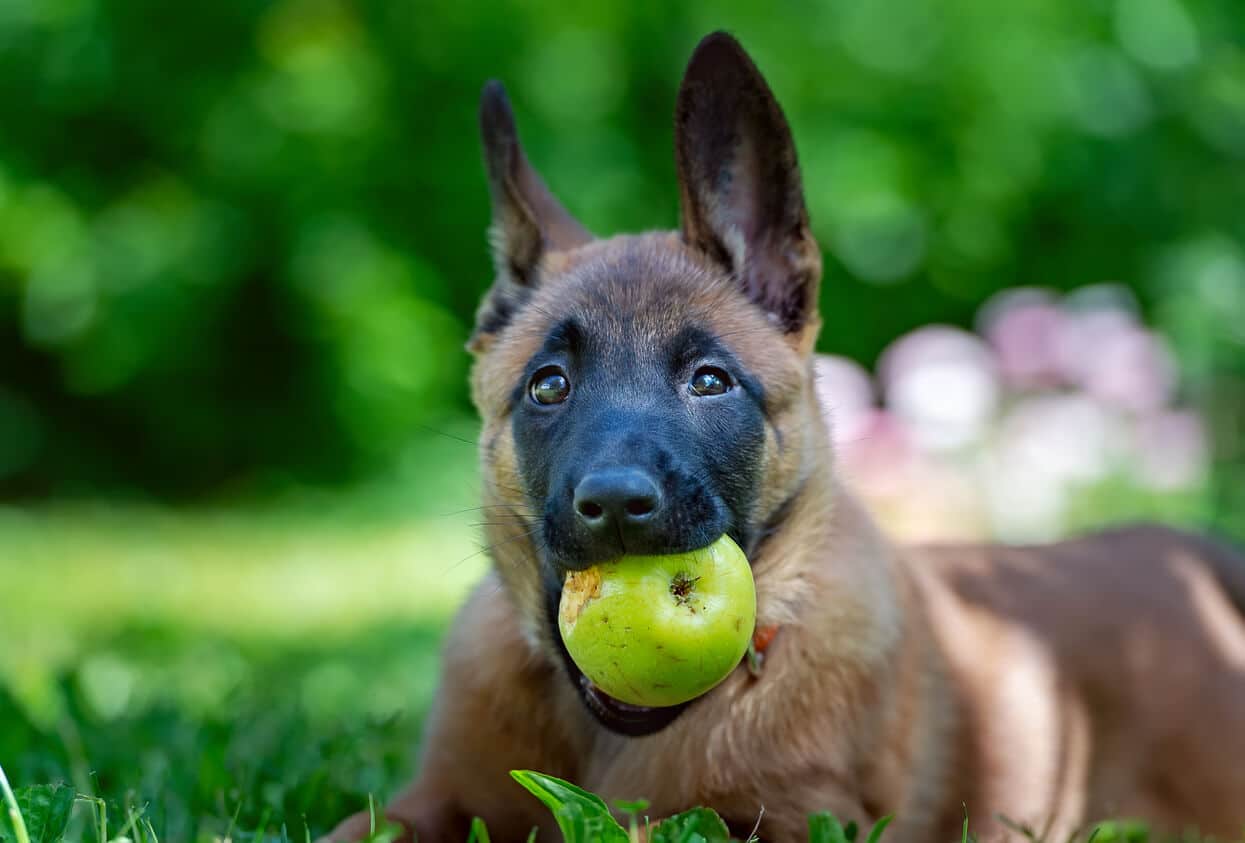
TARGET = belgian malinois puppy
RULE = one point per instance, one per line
(648, 393)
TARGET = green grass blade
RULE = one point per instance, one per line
(15, 815)
(99, 809)
(233, 821)
(1019, 828)
(878, 827)
(479, 831)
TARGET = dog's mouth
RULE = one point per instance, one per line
(634, 721)
(622, 718)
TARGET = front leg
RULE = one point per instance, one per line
(501, 706)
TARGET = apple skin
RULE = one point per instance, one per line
(657, 631)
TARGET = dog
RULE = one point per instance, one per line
(648, 393)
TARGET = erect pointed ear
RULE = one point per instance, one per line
(739, 183)
(527, 220)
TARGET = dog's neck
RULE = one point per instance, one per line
(822, 534)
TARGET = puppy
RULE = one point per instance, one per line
(649, 393)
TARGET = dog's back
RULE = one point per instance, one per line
(1099, 677)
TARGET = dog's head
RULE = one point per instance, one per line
(647, 393)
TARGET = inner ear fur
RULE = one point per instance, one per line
(528, 221)
(740, 191)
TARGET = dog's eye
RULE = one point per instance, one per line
(709, 380)
(550, 386)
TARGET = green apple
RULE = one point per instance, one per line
(660, 630)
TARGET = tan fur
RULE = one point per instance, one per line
(1055, 685)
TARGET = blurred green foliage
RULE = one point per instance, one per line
(241, 242)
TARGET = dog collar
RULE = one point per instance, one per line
(762, 638)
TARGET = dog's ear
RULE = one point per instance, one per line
(739, 183)
(528, 221)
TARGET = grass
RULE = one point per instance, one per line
(229, 669)
(581, 817)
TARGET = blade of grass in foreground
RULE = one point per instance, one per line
(15, 814)
(878, 827)
(479, 832)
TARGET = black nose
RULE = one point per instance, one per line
(616, 497)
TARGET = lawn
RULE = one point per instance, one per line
(257, 666)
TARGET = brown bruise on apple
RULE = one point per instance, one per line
(579, 589)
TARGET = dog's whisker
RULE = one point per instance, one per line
(489, 548)
(447, 435)
(515, 522)
(492, 506)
